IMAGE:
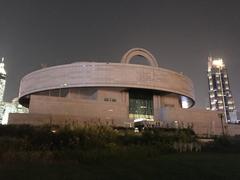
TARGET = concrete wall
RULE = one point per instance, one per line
(233, 129)
(83, 93)
(112, 94)
(110, 105)
(49, 119)
(204, 122)
(77, 111)
(115, 113)
(162, 101)
(86, 106)
(32, 119)
(93, 98)
(170, 100)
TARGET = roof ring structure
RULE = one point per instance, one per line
(139, 52)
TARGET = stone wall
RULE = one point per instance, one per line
(203, 122)
(61, 120)
(233, 129)
(115, 113)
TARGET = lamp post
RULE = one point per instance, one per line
(221, 117)
(222, 93)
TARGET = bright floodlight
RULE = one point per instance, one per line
(218, 63)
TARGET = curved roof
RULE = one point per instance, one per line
(88, 74)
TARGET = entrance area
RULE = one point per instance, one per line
(140, 104)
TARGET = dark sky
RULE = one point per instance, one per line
(180, 34)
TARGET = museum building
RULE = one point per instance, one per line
(115, 94)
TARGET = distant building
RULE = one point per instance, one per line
(220, 96)
(13, 107)
(6, 107)
(3, 75)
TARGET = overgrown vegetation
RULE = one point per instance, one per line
(100, 152)
(223, 144)
(89, 142)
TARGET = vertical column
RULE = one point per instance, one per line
(156, 106)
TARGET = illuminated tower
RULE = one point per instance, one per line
(2, 80)
(220, 96)
(2, 89)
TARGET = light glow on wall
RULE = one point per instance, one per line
(185, 102)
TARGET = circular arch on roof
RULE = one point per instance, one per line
(139, 52)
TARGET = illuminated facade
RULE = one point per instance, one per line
(220, 95)
(6, 107)
(3, 75)
(111, 93)
(115, 94)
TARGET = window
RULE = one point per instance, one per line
(140, 104)
(63, 92)
(213, 102)
(43, 93)
(54, 92)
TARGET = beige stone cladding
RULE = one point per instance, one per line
(26, 118)
(83, 93)
(112, 75)
(168, 100)
(54, 119)
(99, 92)
(112, 113)
(203, 122)
(233, 129)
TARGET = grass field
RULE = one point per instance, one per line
(192, 166)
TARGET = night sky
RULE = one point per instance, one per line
(180, 34)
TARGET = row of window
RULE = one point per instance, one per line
(221, 107)
(55, 92)
(63, 93)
